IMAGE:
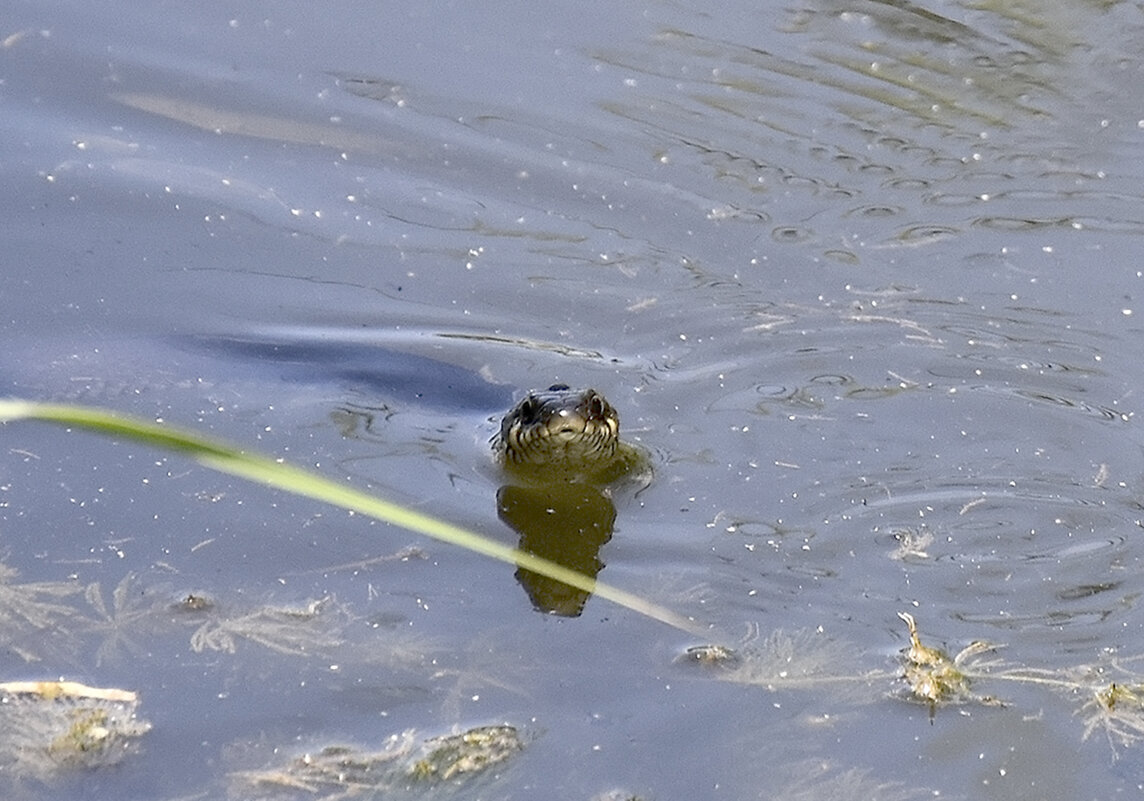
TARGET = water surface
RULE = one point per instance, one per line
(862, 278)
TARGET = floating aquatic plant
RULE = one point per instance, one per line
(1113, 698)
(1111, 691)
(131, 613)
(785, 660)
(1115, 706)
(935, 678)
(344, 771)
(33, 606)
(49, 726)
(1119, 710)
(305, 630)
(471, 751)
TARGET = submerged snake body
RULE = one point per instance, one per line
(564, 434)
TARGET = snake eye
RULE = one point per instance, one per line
(529, 409)
(559, 388)
(596, 406)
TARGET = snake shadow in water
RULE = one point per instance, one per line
(565, 522)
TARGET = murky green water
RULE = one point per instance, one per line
(862, 278)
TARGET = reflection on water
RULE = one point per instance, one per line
(567, 523)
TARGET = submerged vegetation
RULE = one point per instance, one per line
(301, 630)
(46, 726)
(51, 726)
(401, 762)
(934, 678)
(1109, 693)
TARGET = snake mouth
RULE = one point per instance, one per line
(567, 424)
(581, 437)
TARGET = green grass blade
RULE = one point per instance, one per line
(272, 473)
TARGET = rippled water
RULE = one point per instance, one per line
(862, 278)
